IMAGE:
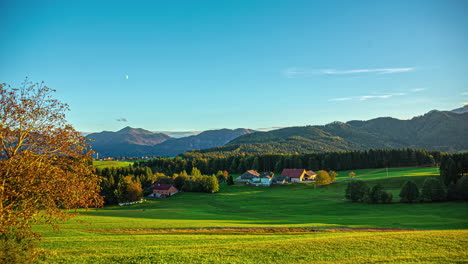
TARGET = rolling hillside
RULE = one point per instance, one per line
(436, 130)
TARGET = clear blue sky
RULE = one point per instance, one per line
(196, 65)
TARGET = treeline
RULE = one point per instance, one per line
(127, 184)
(195, 182)
(349, 160)
(452, 185)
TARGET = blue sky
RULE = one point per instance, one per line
(197, 65)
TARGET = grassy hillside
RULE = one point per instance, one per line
(163, 229)
(111, 163)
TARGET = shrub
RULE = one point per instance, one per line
(14, 249)
(409, 192)
(322, 178)
(377, 194)
(433, 191)
(356, 191)
(386, 197)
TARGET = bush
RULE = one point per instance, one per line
(16, 250)
(386, 197)
(433, 191)
(322, 178)
(377, 194)
(409, 192)
(356, 191)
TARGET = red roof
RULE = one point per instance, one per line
(159, 186)
(311, 173)
(293, 173)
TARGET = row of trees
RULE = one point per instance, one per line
(358, 191)
(313, 161)
(128, 184)
(195, 182)
(433, 190)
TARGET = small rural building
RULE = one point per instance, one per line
(247, 176)
(310, 176)
(164, 190)
(296, 175)
(264, 179)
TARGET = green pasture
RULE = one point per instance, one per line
(110, 163)
(130, 234)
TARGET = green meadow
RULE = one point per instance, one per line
(110, 163)
(294, 223)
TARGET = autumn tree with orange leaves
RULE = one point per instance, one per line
(45, 164)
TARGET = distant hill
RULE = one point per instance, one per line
(461, 110)
(139, 142)
(206, 139)
(126, 142)
(436, 130)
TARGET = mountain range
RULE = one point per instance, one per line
(435, 130)
(137, 142)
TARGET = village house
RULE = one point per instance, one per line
(310, 176)
(295, 175)
(264, 179)
(164, 190)
(247, 176)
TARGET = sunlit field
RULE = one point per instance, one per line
(281, 224)
(110, 163)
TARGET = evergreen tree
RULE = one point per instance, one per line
(255, 164)
(448, 170)
(356, 190)
(433, 191)
(230, 180)
(409, 192)
(462, 188)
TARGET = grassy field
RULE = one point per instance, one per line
(110, 163)
(205, 228)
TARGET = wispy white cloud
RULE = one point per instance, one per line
(366, 97)
(341, 99)
(464, 103)
(415, 90)
(300, 72)
(269, 128)
(465, 93)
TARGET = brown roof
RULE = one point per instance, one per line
(293, 173)
(311, 173)
(249, 174)
(159, 186)
(253, 172)
(267, 175)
